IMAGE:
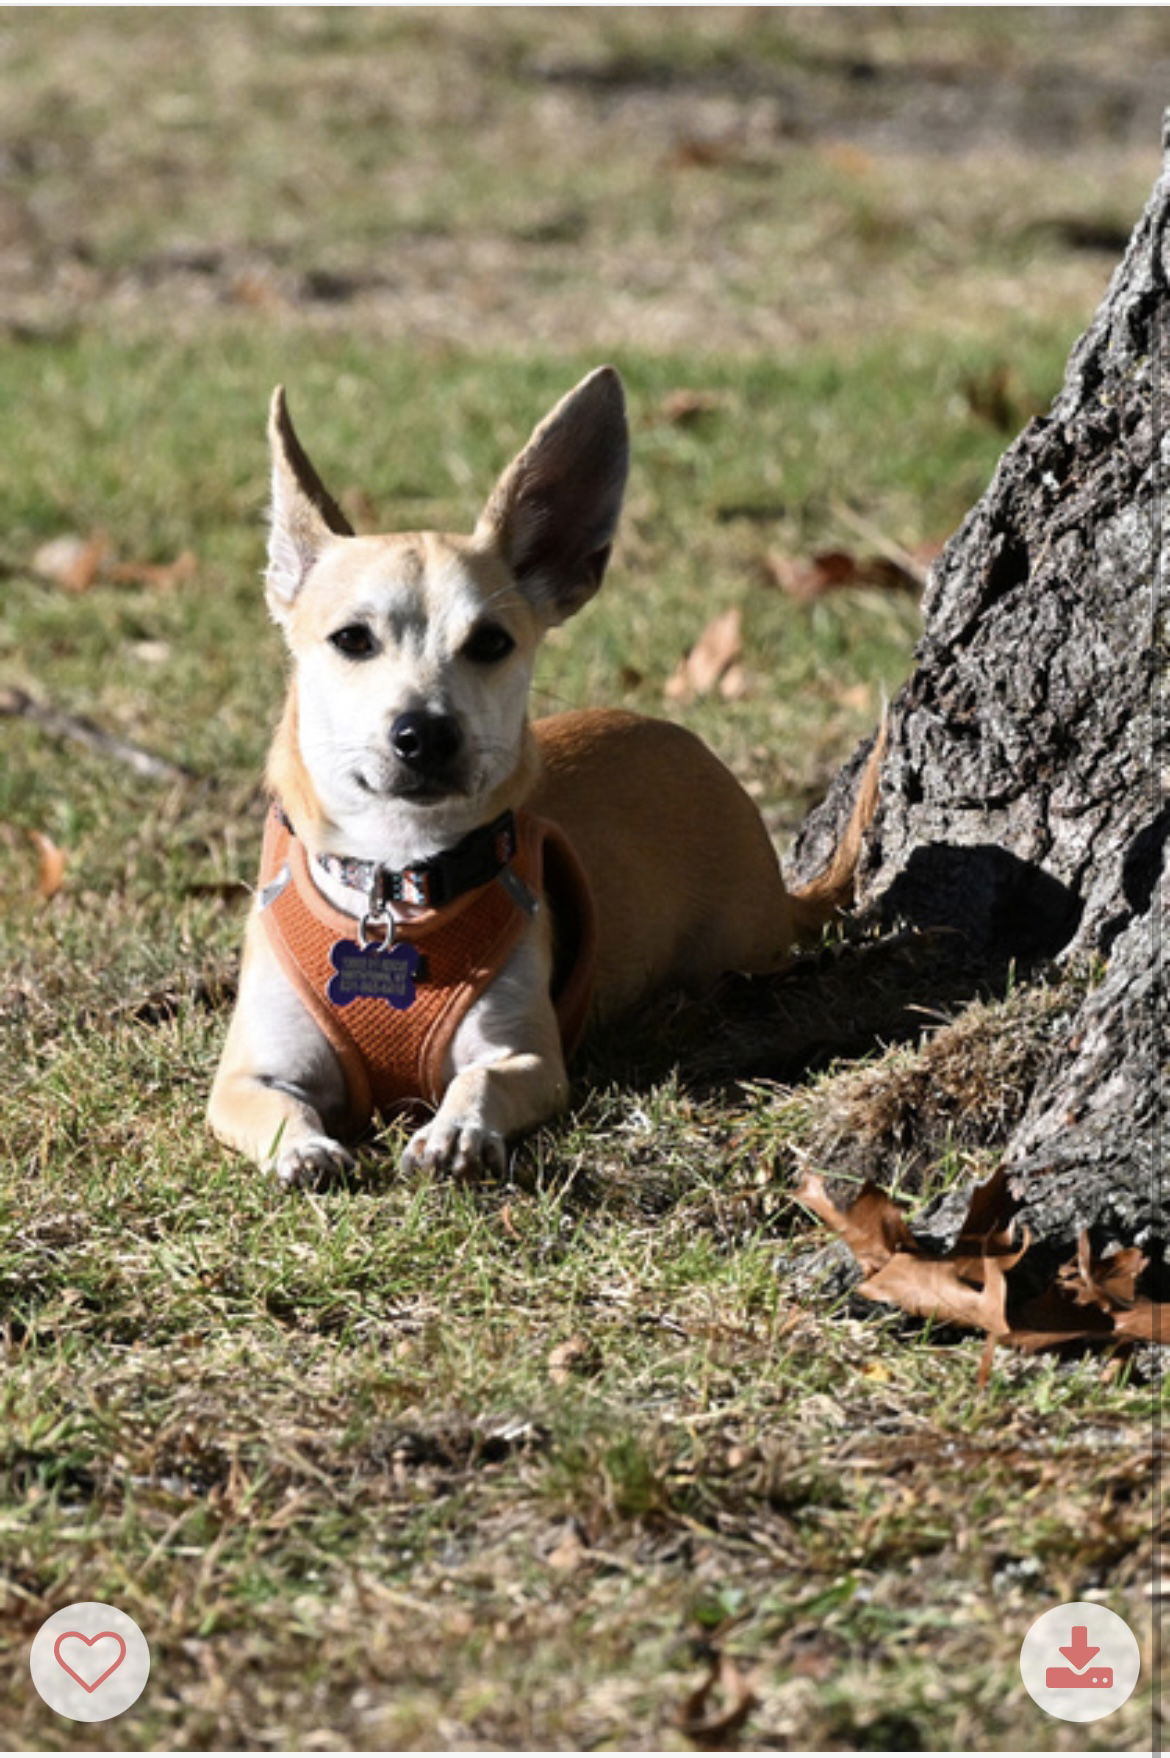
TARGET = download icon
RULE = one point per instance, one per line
(1079, 1653)
(1100, 1660)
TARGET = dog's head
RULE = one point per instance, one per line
(408, 717)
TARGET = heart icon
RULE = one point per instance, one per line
(91, 1660)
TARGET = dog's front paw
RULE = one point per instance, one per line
(465, 1150)
(306, 1163)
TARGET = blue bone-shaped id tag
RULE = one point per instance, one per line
(373, 973)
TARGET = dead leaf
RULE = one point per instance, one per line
(77, 563)
(813, 576)
(692, 153)
(51, 871)
(893, 565)
(1147, 1321)
(1110, 1285)
(52, 875)
(969, 1285)
(873, 1226)
(256, 290)
(71, 561)
(1110, 1282)
(162, 576)
(833, 570)
(508, 1224)
(682, 407)
(577, 1355)
(710, 1726)
(958, 1290)
(714, 653)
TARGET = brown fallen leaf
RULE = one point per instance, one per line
(1109, 1282)
(832, 570)
(508, 1224)
(51, 871)
(78, 563)
(812, 576)
(714, 653)
(710, 1727)
(575, 1356)
(965, 1290)
(894, 564)
(256, 290)
(52, 874)
(692, 153)
(160, 575)
(1147, 1321)
(873, 1226)
(969, 1285)
(683, 406)
(71, 561)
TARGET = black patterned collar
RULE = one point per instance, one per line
(476, 859)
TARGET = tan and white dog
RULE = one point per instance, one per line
(406, 758)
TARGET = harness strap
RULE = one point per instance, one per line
(391, 1058)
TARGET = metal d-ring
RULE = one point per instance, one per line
(377, 919)
(376, 914)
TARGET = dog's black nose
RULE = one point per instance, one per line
(425, 741)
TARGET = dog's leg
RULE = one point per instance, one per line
(506, 1069)
(278, 1078)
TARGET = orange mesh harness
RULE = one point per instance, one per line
(394, 1057)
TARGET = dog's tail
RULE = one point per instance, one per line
(823, 898)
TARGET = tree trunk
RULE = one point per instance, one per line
(1022, 800)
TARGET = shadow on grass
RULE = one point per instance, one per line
(840, 1003)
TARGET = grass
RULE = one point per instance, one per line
(405, 1464)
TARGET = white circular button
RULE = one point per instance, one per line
(90, 1661)
(1080, 1661)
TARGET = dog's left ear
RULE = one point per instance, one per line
(304, 514)
(554, 511)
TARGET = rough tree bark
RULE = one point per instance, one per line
(1023, 794)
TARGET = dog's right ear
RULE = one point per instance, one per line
(554, 511)
(304, 514)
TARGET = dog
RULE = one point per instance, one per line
(448, 890)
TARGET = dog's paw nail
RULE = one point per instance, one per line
(461, 1152)
(304, 1166)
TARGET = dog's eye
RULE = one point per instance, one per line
(355, 641)
(487, 643)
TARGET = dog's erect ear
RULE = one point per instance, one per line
(555, 509)
(304, 513)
